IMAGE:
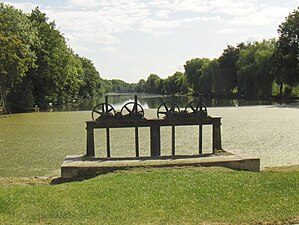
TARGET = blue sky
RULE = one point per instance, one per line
(130, 39)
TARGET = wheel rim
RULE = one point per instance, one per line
(167, 107)
(194, 107)
(101, 110)
(132, 108)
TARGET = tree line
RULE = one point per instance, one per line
(37, 67)
(249, 70)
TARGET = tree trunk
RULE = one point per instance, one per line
(280, 88)
(3, 98)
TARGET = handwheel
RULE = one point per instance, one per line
(101, 110)
(167, 107)
(132, 108)
(195, 107)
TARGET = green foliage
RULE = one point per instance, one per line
(194, 71)
(16, 38)
(227, 80)
(254, 69)
(177, 83)
(35, 58)
(20, 98)
(140, 86)
(286, 55)
(92, 83)
(121, 86)
(153, 84)
(58, 76)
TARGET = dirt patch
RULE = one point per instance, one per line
(11, 182)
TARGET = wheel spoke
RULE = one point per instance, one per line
(166, 107)
(164, 113)
(126, 107)
(192, 108)
(103, 108)
(98, 112)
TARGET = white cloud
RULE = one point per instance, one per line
(109, 50)
(229, 31)
(162, 14)
(25, 6)
(102, 27)
(234, 7)
(84, 4)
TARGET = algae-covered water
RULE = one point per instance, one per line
(35, 144)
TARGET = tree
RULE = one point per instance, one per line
(227, 79)
(16, 57)
(176, 83)
(286, 55)
(254, 69)
(58, 75)
(153, 84)
(92, 83)
(193, 72)
(140, 86)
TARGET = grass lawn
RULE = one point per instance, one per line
(158, 196)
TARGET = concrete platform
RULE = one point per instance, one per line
(75, 166)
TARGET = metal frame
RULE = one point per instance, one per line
(155, 135)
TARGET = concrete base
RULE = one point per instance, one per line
(80, 167)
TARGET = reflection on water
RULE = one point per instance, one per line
(153, 101)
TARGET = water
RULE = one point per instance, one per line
(148, 101)
(35, 144)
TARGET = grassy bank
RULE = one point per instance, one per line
(158, 196)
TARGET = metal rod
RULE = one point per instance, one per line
(137, 141)
(90, 142)
(200, 140)
(173, 139)
(106, 103)
(172, 103)
(155, 139)
(108, 142)
(135, 104)
(200, 102)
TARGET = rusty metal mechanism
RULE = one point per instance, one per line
(170, 110)
(103, 110)
(196, 108)
(131, 110)
(132, 115)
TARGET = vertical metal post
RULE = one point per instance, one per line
(217, 136)
(108, 142)
(106, 103)
(200, 126)
(200, 140)
(173, 139)
(136, 142)
(172, 103)
(135, 110)
(90, 141)
(200, 102)
(155, 140)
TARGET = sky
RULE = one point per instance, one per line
(130, 39)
